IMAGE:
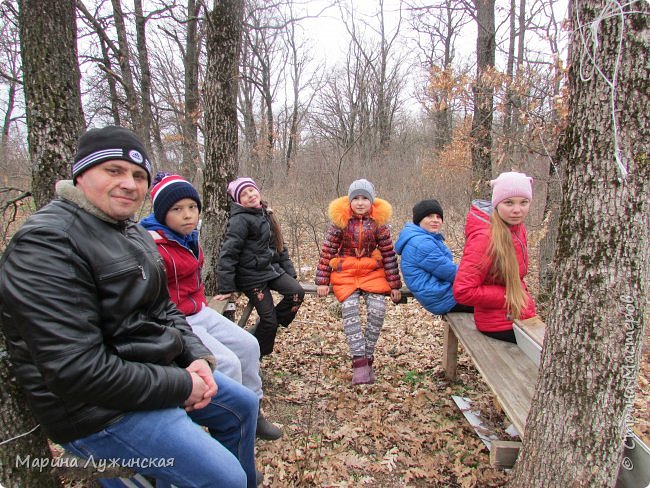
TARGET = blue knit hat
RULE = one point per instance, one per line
(167, 190)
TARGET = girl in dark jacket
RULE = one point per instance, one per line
(255, 260)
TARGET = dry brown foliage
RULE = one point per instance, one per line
(403, 431)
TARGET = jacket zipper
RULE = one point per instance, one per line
(122, 271)
(267, 220)
(360, 237)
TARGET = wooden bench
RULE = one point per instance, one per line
(310, 289)
(505, 367)
(511, 372)
(89, 472)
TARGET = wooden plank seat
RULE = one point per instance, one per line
(310, 289)
(507, 370)
(88, 472)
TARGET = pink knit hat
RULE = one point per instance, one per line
(511, 184)
(235, 187)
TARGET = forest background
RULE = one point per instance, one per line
(414, 96)
(392, 103)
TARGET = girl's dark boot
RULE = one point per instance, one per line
(360, 371)
(371, 360)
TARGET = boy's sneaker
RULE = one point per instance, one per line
(266, 430)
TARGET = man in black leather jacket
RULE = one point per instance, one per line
(110, 367)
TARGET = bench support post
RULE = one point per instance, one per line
(245, 314)
(450, 352)
(504, 454)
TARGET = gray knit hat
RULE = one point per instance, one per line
(362, 187)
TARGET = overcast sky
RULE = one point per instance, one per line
(330, 37)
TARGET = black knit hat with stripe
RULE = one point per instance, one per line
(99, 145)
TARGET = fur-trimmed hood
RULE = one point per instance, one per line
(339, 211)
(68, 190)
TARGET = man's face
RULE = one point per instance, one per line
(115, 187)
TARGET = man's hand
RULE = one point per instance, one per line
(203, 385)
(395, 295)
(322, 290)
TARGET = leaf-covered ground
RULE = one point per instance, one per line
(405, 430)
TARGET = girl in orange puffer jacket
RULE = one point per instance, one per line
(495, 258)
(358, 259)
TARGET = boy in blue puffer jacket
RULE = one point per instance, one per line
(427, 263)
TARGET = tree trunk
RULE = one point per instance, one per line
(20, 451)
(384, 112)
(110, 80)
(556, 173)
(297, 67)
(124, 58)
(106, 65)
(52, 93)
(248, 126)
(483, 98)
(6, 125)
(510, 68)
(146, 117)
(190, 145)
(588, 375)
(547, 245)
(220, 101)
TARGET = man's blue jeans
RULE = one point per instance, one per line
(170, 446)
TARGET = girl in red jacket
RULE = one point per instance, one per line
(358, 259)
(495, 259)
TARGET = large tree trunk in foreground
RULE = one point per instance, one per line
(220, 100)
(48, 48)
(590, 362)
(24, 442)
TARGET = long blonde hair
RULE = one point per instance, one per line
(505, 268)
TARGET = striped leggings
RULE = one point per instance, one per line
(363, 344)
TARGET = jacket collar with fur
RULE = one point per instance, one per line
(66, 189)
(339, 211)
